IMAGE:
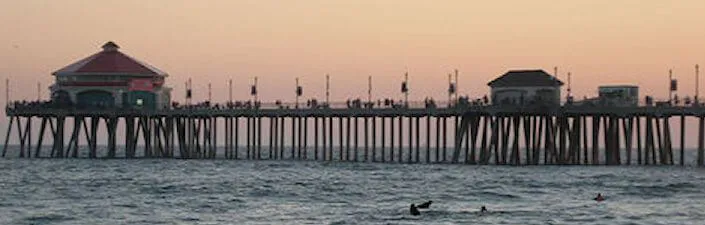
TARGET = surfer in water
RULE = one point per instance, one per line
(425, 205)
(483, 209)
(414, 210)
(599, 197)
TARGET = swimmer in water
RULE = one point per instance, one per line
(599, 197)
(413, 210)
(425, 205)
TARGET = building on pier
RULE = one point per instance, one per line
(618, 95)
(524, 87)
(108, 79)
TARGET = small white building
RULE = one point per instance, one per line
(524, 87)
(618, 95)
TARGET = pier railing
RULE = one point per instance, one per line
(658, 111)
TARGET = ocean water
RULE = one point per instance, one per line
(171, 191)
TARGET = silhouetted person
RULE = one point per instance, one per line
(599, 197)
(425, 205)
(414, 211)
(483, 209)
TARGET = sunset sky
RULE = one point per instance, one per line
(600, 42)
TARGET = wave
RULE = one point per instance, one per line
(660, 190)
(46, 219)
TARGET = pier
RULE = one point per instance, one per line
(463, 134)
(109, 96)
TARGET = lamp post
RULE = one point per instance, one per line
(299, 92)
(405, 89)
(253, 91)
(369, 90)
(672, 86)
(570, 94)
(456, 85)
(697, 83)
(230, 91)
(451, 90)
(328, 90)
(189, 92)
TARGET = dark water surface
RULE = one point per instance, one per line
(82, 191)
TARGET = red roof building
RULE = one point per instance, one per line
(110, 78)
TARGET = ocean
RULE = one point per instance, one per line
(172, 191)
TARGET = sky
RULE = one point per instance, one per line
(599, 41)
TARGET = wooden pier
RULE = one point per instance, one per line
(500, 135)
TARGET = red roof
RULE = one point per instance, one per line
(109, 61)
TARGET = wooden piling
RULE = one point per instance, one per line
(7, 135)
(315, 138)
(305, 138)
(366, 139)
(341, 147)
(355, 140)
(682, 144)
(428, 139)
(401, 142)
(391, 139)
(324, 147)
(438, 140)
(701, 140)
(417, 138)
(445, 138)
(410, 139)
(374, 139)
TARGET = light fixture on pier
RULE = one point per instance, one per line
(456, 85)
(673, 86)
(451, 90)
(253, 91)
(405, 89)
(369, 90)
(299, 92)
(189, 92)
(697, 83)
(328, 90)
(570, 94)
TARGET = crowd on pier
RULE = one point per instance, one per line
(357, 103)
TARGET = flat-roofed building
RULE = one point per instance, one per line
(618, 95)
